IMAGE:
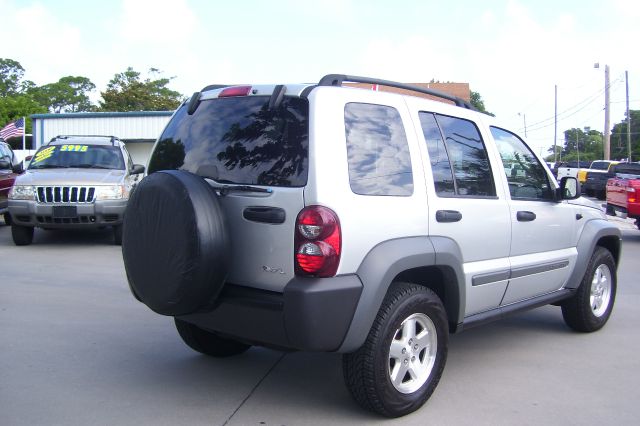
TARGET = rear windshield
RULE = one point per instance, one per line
(600, 165)
(627, 169)
(239, 140)
(78, 156)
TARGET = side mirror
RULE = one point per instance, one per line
(18, 168)
(136, 169)
(5, 164)
(569, 189)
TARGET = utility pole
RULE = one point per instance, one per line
(524, 119)
(578, 148)
(607, 129)
(555, 126)
(626, 77)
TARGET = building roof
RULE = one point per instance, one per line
(105, 114)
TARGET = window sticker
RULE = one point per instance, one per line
(74, 148)
(44, 154)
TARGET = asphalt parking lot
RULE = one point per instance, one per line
(77, 349)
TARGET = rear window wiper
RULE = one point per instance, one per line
(90, 166)
(226, 189)
(49, 166)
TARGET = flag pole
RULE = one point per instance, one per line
(24, 134)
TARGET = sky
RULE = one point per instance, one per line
(513, 52)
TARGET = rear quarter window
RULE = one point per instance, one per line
(377, 149)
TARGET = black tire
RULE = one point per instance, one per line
(22, 235)
(174, 243)
(368, 371)
(589, 192)
(601, 195)
(117, 235)
(207, 342)
(7, 219)
(590, 308)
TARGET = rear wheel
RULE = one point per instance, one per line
(399, 366)
(208, 342)
(590, 308)
(22, 235)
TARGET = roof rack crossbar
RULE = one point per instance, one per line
(338, 79)
(112, 139)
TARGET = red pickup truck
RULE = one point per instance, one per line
(623, 191)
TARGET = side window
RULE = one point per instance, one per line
(526, 176)
(459, 159)
(4, 152)
(438, 156)
(377, 149)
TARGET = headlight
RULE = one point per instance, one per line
(115, 192)
(22, 192)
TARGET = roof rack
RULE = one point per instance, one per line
(338, 79)
(112, 139)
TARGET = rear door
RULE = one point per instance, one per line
(466, 207)
(258, 155)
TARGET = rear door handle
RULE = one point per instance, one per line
(448, 216)
(525, 216)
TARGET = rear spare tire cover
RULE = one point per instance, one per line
(174, 243)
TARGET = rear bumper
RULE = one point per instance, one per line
(595, 185)
(312, 314)
(100, 213)
(632, 211)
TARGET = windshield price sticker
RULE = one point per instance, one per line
(74, 148)
(44, 154)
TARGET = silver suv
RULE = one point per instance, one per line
(73, 182)
(374, 224)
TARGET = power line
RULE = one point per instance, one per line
(565, 114)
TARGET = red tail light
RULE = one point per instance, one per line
(235, 91)
(318, 242)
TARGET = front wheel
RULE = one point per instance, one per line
(7, 219)
(590, 308)
(208, 342)
(399, 366)
(22, 235)
(117, 235)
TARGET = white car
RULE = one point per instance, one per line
(320, 217)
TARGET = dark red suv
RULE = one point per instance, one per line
(9, 169)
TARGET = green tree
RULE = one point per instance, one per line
(15, 101)
(11, 74)
(14, 107)
(69, 94)
(619, 138)
(128, 92)
(478, 103)
(586, 144)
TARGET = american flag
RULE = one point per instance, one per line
(15, 128)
